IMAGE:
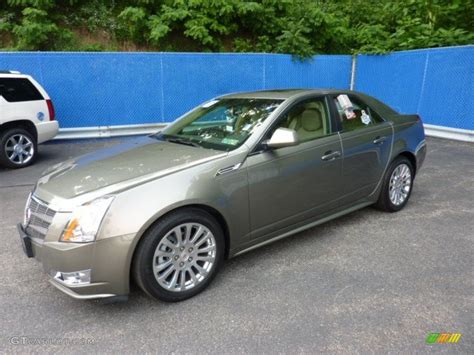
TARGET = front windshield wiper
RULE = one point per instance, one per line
(182, 141)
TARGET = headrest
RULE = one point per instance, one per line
(313, 105)
(311, 119)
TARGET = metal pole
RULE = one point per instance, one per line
(353, 71)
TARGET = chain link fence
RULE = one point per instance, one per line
(436, 83)
(110, 89)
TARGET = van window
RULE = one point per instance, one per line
(18, 89)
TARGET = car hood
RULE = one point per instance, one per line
(142, 157)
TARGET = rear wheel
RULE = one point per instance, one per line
(179, 256)
(397, 185)
(17, 148)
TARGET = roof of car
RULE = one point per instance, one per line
(2, 71)
(11, 74)
(282, 94)
(285, 94)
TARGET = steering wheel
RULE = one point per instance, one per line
(218, 132)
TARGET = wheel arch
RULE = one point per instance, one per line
(411, 157)
(25, 124)
(206, 208)
(219, 218)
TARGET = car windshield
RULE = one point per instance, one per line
(222, 124)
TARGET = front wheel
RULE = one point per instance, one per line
(179, 256)
(397, 186)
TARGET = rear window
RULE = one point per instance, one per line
(359, 116)
(18, 89)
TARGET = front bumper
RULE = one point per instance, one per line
(107, 259)
(70, 291)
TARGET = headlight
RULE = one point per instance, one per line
(27, 214)
(85, 221)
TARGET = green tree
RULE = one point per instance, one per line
(37, 30)
(300, 27)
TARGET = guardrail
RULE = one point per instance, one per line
(143, 129)
(109, 131)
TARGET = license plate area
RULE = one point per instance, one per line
(25, 241)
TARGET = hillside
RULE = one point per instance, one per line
(299, 27)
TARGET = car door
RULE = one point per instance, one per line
(291, 185)
(366, 141)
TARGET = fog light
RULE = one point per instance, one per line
(74, 278)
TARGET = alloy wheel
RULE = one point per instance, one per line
(184, 257)
(19, 149)
(400, 184)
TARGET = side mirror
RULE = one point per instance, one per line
(283, 137)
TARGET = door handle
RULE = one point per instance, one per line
(379, 140)
(330, 155)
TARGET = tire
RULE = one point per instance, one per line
(390, 203)
(159, 251)
(21, 139)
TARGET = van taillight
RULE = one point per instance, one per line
(52, 115)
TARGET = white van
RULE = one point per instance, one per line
(26, 119)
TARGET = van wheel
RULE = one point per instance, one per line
(17, 148)
(397, 186)
(179, 256)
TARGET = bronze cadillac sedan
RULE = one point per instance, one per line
(233, 174)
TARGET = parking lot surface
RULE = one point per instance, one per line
(367, 282)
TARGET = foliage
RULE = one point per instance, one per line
(411, 24)
(37, 31)
(299, 27)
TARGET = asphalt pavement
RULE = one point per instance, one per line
(369, 282)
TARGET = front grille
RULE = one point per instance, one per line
(39, 218)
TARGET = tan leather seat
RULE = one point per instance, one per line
(309, 124)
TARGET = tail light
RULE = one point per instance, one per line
(52, 115)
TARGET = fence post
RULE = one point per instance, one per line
(353, 71)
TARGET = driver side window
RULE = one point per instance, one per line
(309, 118)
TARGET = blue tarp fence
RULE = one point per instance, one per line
(106, 89)
(437, 83)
